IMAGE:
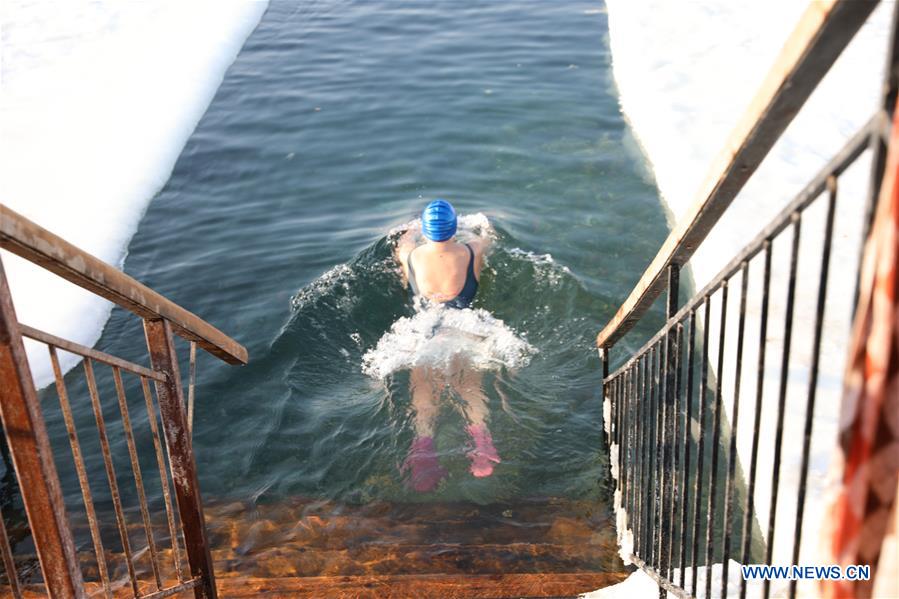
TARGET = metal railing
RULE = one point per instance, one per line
(682, 506)
(32, 450)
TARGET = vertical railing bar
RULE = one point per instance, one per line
(623, 464)
(614, 428)
(612, 388)
(8, 562)
(674, 464)
(782, 394)
(700, 452)
(660, 454)
(653, 467)
(759, 394)
(635, 433)
(604, 358)
(613, 424)
(605, 386)
(622, 473)
(163, 476)
(110, 472)
(632, 441)
(716, 440)
(649, 502)
(191, 387)
(638, 439)
(732, 454)
(639, 428)
(633, 406)
(619, 421)
(32, 456)
(138, 477)
(80, 470)
(613, 399)
(667, 422)
(688, 438)
(661, 420)
(639, 454)
(646, 405)
(622, 447)
(813, 370)
(647, 455)
(160, 343)
(622, 382)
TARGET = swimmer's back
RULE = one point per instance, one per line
(447, 274)
(441, 269)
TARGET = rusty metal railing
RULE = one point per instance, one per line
(671, 453)
(168, 423)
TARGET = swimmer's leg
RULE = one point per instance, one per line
(425, 385)
(426, 471)
(468, 384)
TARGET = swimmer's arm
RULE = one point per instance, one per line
(480, 247)
(404, 246)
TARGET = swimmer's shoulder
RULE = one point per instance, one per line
(479, 249)
(404, 246)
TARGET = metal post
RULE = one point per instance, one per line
(32, 457)
(177, 438)
(673, 289)
(668, 424)
(688, 442)
(604, 388)
(782, 394)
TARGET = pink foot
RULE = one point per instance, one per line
(484, 455)
(422, 461)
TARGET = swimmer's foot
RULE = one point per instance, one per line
(422, 461)
(484, 455)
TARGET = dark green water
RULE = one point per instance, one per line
(337, 122)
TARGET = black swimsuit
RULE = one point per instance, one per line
(466, 296)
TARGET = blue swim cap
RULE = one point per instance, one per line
(438, 220)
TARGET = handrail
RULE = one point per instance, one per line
(36, 244)
(824, 30)
(834, 168)
(87, 352)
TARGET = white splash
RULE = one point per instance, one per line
(436, 336)
(545, 266)
(469, 227)
(339, 276)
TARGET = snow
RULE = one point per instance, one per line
(97, 99)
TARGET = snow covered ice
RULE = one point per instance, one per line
(97, 99)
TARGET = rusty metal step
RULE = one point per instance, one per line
(523, 545)
(427, 586)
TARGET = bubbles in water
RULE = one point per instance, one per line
(470, 227)
(337, 277)
(544, 265)
(436, 335)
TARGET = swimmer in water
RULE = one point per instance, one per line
(445, 271)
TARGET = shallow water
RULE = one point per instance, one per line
(336, 123)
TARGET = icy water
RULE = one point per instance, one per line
(336, 123)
